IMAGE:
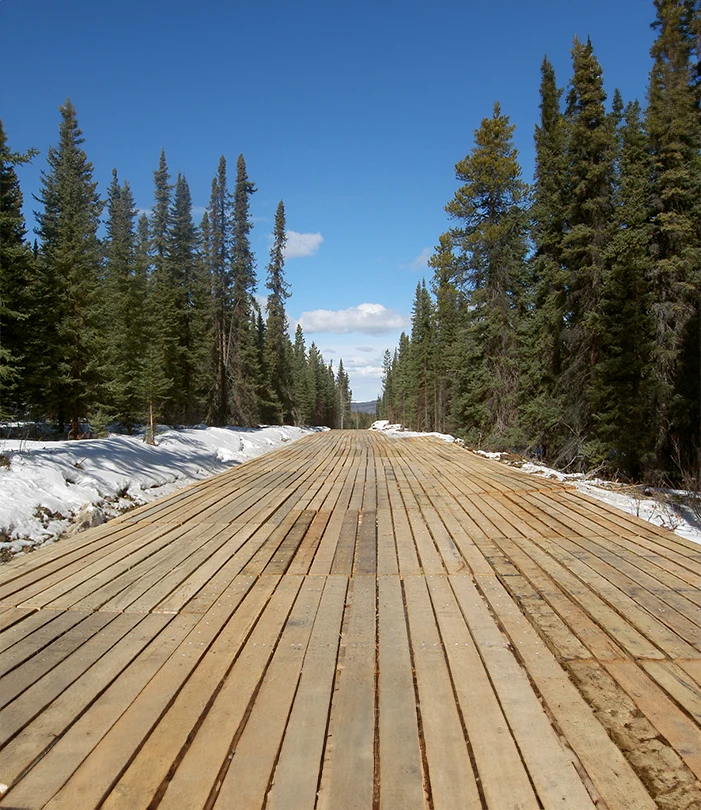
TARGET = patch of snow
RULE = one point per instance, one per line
(384, 426)
(47, 485)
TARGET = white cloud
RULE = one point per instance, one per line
(372, 319)
(420, 263)
(300, 245)
(364, 349)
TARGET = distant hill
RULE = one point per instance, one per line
(364, 407)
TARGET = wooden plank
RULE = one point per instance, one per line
(504, 779)
(296, 777)
(347, 778)
(555, 779)
(401, 767)
(450, 773)
(602, 761)
(65, 754)
(91, 782)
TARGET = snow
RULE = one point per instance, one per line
(46, 486)
(384, 426)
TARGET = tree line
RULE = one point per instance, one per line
(112, 317)
(562, 318)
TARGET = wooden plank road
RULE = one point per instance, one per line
(356, 622)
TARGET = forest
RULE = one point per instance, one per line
(156, 318)
(562, 318)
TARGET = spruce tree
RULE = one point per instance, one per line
(423, 359)
(448, 316)
(190, 304)
(544, 339)
(16, 263)
(590, 155)
(491, 237)
(123, 311)
(674, 131)
(344, 398)
(67, 288)
(218, 252)
(621, 387)
(245, 406)
(277, 343)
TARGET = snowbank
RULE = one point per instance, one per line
(45, 486)
(384, 426)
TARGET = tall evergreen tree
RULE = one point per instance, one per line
(589, 216)
(244, 400)
(277, 344)
(15, 274)
(218, 252)
(621, 385)
(448, 316)
(491, 237)
(301, 380)
(67, 288)
(423, 359)
(189, 311)
(674, 131)
(123, 310)
(344, 398)
(544, 349)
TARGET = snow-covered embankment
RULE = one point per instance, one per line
(46, 486)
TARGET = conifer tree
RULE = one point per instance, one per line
(189, 313)
(491, 237)
(674, 131)
(423, 359)
(448, 316)
(15, 275)
(344, 398)
(218, 251)
(590, 154)
(68, 274)
(302, 395)
(622, 382)
(277, 342)
(544, 342)
(245, 406)
(123, 311)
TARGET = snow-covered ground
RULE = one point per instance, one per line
(47, 488)
(384, 426)
(664, 508)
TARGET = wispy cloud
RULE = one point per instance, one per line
(420, 263)
(300, 245)
(364, 349)
(372, 319)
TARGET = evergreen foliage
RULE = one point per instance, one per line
(66, 316)
(16, 264)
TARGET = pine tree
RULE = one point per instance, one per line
(16, 263)
(277, 344)
(245, 406)
(674, 131)
(491, 237)
(67, 283)
(590, 155)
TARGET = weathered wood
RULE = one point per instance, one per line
(359, 622)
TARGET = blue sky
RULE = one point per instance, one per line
(353, 113)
